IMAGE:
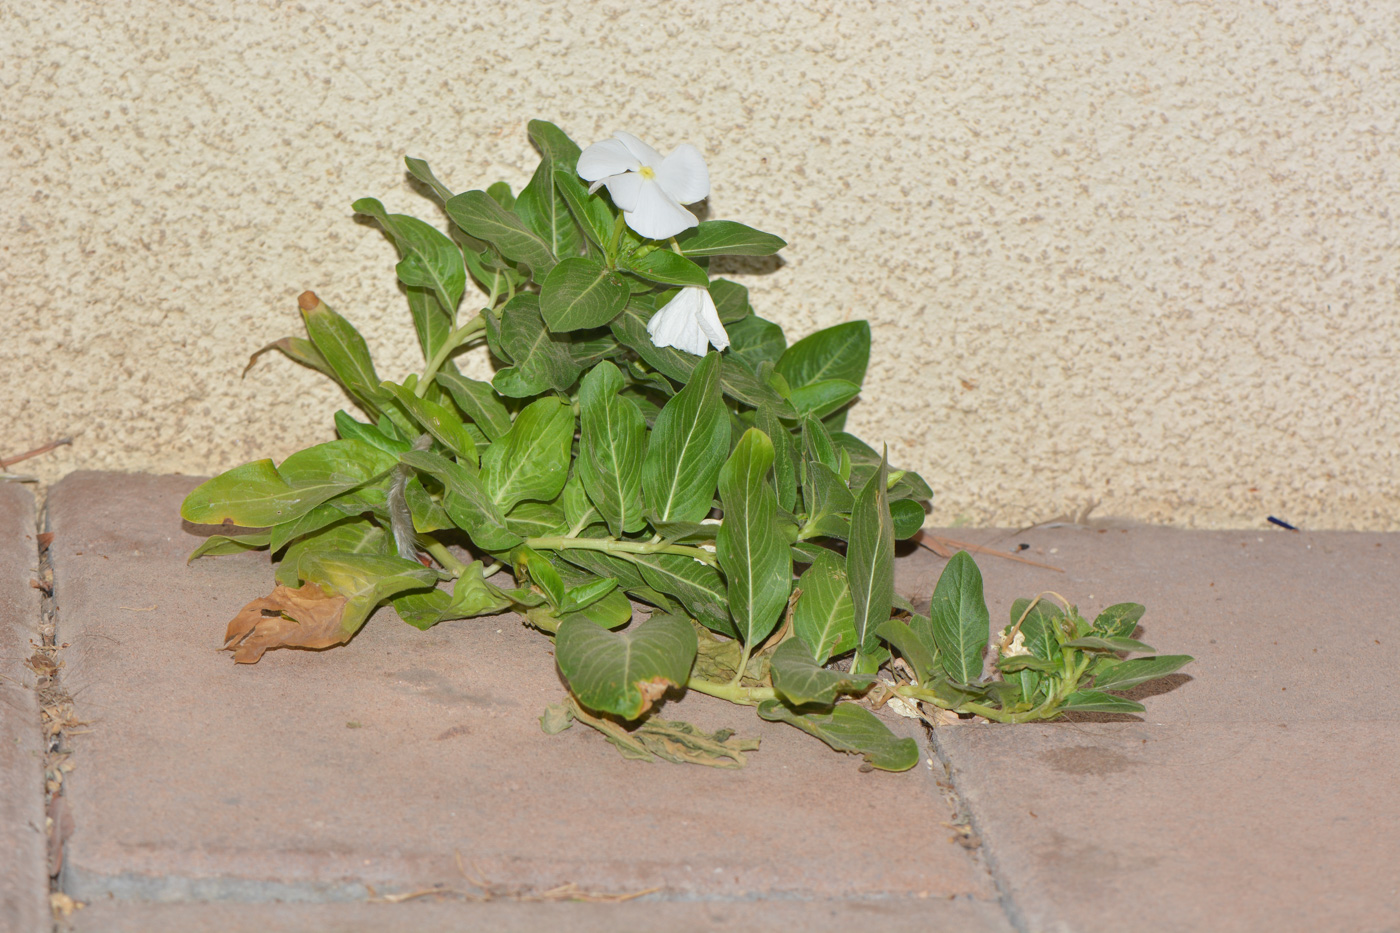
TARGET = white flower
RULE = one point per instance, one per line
(688, 322)
(1013, 647)
(649, 189)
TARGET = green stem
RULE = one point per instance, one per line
(616, 240)
(748, 696)
(620, 548)
(743, 663)
(454, 340)
(442, 555)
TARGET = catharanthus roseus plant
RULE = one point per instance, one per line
(646, 440)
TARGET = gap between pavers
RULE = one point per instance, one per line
(24, 876)
(313, 774)
(1257, 792)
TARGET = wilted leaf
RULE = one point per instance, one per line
(308, 617)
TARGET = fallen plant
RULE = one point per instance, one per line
(616, 457)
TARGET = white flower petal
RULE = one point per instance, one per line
(656, 215)
(708, 319)
(683, 174)
(626, 189)
(682, 323)
(639, 150)
(609, 157)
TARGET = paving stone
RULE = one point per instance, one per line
(311, 775)
(1189, 826)
(1257, 790)
(888, 915)
(24, 878)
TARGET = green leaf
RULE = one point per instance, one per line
(784, 457)
(427, 257)
(731, 301)
(686, 449)
(546, 213)
(298, 349)
(850, 728)
(736, 380)
(1094, 701)
(419, 170)
(581, 293)
(531, 460)
(590, 210)
(612, 436)
(259, 495)
(824, 616)
(441, 422)
(219, 545)
(347, 427)
(541, 360)
(532, 565)
(755, 340)
(752, 552)
(1041, 623)
(535, 519)
(870, 560)
(554, 144)
(349, 536)
(354, 503)
(480, 216)
(866, 461)
(908, 517)
(1117, 643)
(500, 193)
(580, 597)
(914, 646)
(662, 265)
(1119, 620)
(840, 352)
(727, 238)
(471, 596)
(817, 444)
(801, 680)
(467, 502)
(625, 673)
(612, 611)
(365, 580)
(821, 398)
(345, 352)
(478, 402)
(829, 503)
(1131, 673)
(959, 619)
(698, 587)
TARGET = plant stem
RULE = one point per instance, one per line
(454, 340)
(620, 548)
(442, 555)
(748, 696)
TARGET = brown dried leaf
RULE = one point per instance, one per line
(307, 617)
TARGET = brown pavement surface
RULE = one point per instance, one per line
(23, 867)
(313, 775)
(1257, 792)
(886, 915)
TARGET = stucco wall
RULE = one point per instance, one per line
(1141, 253)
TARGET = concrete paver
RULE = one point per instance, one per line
(1257, 790)
(1188, 827)
(888, 915)
(311, 775)
(24, 879)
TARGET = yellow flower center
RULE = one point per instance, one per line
(647, 172)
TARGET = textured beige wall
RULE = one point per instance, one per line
(1138, 252)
